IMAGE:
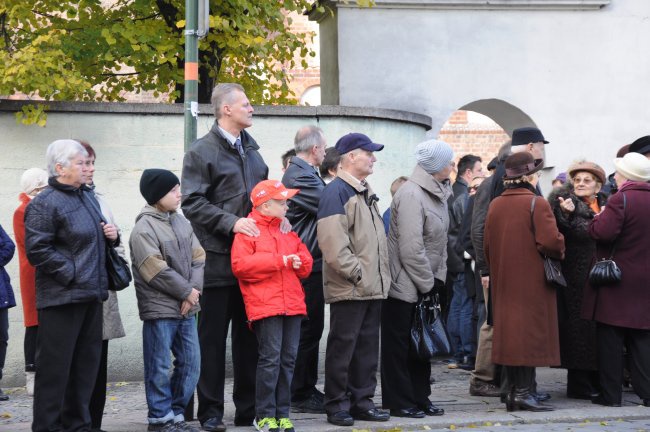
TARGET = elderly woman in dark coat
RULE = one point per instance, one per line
(621, 311)
(574, 206)
(417, 246)
(65, 241)
(523, 303)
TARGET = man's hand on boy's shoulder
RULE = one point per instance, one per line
(246, 226)
(285, 226)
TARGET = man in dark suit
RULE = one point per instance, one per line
(219, 171)
(302, 173)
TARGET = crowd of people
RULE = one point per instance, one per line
(262, 257)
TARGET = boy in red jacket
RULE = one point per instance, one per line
(269, 268)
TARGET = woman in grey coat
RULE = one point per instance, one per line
(417, 246)
(112, 322)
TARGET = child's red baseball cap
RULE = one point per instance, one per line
(270, 189)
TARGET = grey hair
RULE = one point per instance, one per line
(62, 152)
(222, 94)
(308, 137)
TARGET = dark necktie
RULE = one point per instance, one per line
(239, 147)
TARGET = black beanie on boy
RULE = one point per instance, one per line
(155, 183)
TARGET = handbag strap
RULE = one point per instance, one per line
(611, 255)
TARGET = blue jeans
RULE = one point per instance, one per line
(459, 321)
(278, 338)
(167, 397)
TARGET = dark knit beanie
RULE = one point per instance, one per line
(155, 183)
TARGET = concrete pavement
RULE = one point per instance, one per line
(126, 410)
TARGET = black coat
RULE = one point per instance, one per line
(216, 186)
(303, 207)
(577, 335)
(64, 241)
(455, 263)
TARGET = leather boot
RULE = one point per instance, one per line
(523, 397)
(508, 390)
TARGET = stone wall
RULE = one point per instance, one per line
(131, 137)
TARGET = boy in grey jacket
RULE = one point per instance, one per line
(168, 264)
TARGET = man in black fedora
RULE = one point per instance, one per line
(641, 145)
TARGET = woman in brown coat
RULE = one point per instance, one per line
(524, 304)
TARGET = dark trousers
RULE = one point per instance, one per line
(29, 347)
(4, 337)
(581, 382)
(352, 355)
(610, 341)
(277, 338)
(404, 377)
(218, 307)
(68, 351)
(305, 374)
(98, 398)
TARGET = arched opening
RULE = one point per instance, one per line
(482, 127)
(311, 96)
(506, 115)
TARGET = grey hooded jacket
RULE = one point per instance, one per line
(167, 262)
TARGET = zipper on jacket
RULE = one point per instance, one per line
(100, 232)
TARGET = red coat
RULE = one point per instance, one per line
(626, 304)
(268, 286)
(27, 272)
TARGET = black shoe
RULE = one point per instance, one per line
(646, 402)
(341, 418)
(542, 397)
(432, 410)
(525, 401)
(373, 414)
(161, 427)
(3, 396)
(214, 424)
(183, 426)
(313, 404)
(319, 395)
(600, 400)
(244, 421)
(583, 396)
(407, 412)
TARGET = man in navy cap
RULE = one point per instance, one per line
(356, 279)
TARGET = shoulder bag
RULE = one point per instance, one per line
(119, 274)
(605, 271)
(552, 267)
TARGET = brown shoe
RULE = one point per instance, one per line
(482, 388)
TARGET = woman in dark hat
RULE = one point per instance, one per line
(574, 205)
(519, 229)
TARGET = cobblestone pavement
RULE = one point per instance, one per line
(126, 410)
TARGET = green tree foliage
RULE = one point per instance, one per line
(93, 50)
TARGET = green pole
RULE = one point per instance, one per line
(191, 106)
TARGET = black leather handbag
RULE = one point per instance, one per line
(119, 274)
(552, 267)
(429, 337)
(605, 271)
